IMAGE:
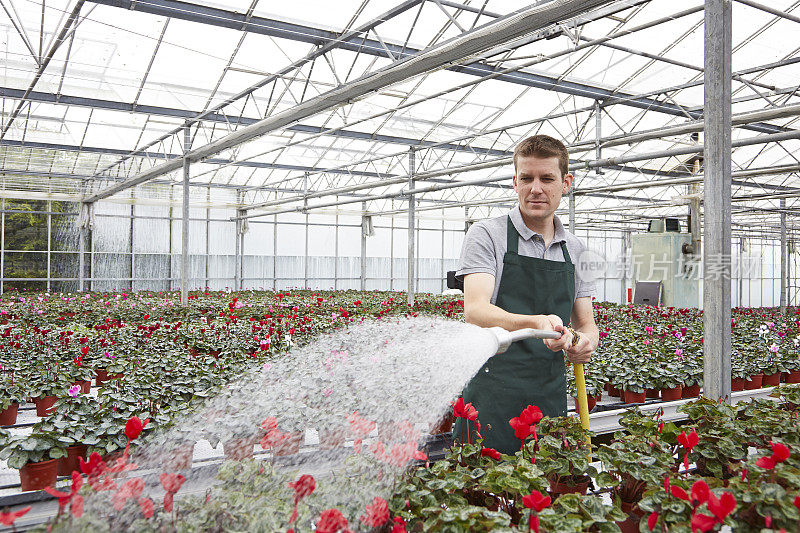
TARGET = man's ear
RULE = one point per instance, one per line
(567, 183)
(514, 181)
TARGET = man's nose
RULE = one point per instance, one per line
(536, 186)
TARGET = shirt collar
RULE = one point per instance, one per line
(560, 234)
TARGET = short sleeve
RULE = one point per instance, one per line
(477, 253)
(583, 288)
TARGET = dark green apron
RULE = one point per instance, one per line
(528, 373)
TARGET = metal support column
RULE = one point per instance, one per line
(571, 210)
(237, 257)
(336, 250)
(187, 141)
(598, 133)
(741, 273)
(305, 257)
(411, 227)
(49, 238)
(131, 233)
(783, 256)
(305, 247)
(238, 245)
(208, 228)
(623, 264)
(391, 249)
(717, 189)
(90, 239)
(169, 248)
(3, 243)
(363, 269)
(443, 286)
(275, 252)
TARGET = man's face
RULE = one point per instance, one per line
(539, 186)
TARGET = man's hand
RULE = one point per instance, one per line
(581, 352)
(553, 323)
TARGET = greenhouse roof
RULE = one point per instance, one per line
(308, 105)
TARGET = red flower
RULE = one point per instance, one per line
(679, 493)
(797, 502)
(73, 498)
(491, 452)
(303, 487)
(130, 489)
(273, 438)
(146, 505)
(94, 467)
(331, 521)
(399, 525)
(531, 415)
(688, 441)
(134, 427)
(767, 463)
(464, 411)
(779, 452)
(723, 506)
(269, 423)
(84, 350)
(700, 492)
(172, 484)
(702, 522)
(377, 513)
(521, 429)
(652, 520)
(8, 519)
(360, 426)
(535, 500)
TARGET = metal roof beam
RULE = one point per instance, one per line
(468, 44)
(211, 161)
(111, 105)
(358, 44)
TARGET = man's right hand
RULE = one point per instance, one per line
(554, 323)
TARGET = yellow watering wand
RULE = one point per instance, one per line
(580, 385)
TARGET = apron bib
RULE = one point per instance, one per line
(528, 373)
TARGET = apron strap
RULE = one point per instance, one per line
(564, 251)
(512, 237)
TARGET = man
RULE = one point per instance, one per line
(518, 272)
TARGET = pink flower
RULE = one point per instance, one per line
(679, 353)
(74, 391)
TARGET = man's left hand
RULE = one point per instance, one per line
(581, 352)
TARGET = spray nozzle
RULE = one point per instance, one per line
(505, 337)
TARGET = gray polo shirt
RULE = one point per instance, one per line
(485, 245)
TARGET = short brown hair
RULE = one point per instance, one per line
(543, 146)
